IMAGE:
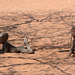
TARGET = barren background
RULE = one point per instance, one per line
(47, 25)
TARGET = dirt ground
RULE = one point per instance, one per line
(47, 25)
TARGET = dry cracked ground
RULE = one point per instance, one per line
(47, 32)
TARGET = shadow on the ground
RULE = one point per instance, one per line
(47, 32)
